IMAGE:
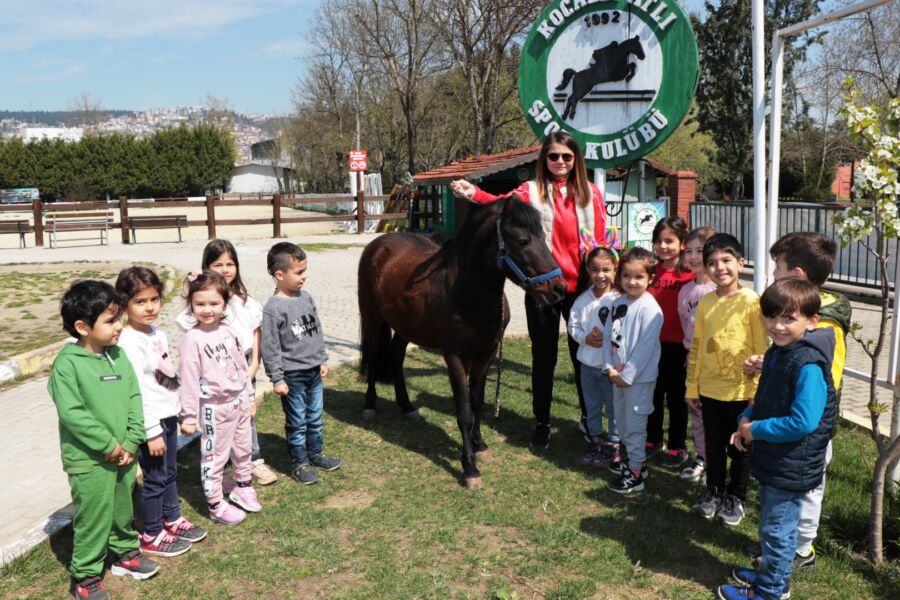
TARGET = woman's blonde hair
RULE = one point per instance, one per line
(577, 183)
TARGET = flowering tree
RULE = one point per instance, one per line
(876, 129)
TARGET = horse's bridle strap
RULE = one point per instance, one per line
(504, 258)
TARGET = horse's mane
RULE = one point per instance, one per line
(515, 212)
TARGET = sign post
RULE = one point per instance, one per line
(358, 165)
(619, 75)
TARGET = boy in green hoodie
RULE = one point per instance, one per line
(101, 424)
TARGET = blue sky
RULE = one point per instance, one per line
(140, 54)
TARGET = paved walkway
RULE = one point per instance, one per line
(31, 507)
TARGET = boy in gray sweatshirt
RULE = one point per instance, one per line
(293, 352)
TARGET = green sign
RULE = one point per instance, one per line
(618, 75)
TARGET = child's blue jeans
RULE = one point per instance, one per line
(598, 397)
(303, 407)
(778, 520)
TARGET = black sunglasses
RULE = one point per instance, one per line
(555, 156)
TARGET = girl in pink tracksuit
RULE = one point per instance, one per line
(216, 392)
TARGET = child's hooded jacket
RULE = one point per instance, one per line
(98, 400)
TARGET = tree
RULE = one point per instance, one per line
(86, 112)
(863, 46)
(877, 129)
(399, 38)
(480, 36)
(690, 149)
(724, 91)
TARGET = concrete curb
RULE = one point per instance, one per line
(29, 363)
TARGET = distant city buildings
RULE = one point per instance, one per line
(245, 127)
(66, 134)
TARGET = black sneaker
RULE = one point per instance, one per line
(325, 463)
(651, 449)
(163, 544)
(801, 562)
(675, 459)
(627, 483)
(540, 439)
(708, 506)
(135, 565)
(805, 563)
(90, 589)
(732, 511)
(305, 474)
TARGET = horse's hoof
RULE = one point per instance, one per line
(484, 455)
(412, 415)
(473, 483)
(368, 414)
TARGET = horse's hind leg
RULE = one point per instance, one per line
(398, 356)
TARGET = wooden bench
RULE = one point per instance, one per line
(20, 226)
(156, 222)
(61, 222)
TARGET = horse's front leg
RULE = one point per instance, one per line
(465, 418)
(632, 67)
(477, 379)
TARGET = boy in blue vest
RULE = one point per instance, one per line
(787, 429)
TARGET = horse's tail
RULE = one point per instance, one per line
(375, 334)
(375, 362)
(567, 75)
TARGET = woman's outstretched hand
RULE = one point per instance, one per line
(462, 189)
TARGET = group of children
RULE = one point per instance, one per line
(226, 333)
(670, 328)
(675, 328)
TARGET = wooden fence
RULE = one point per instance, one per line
(39, 209)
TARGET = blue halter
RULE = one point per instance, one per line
(503, 258)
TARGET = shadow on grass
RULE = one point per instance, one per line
(658, 532)
(415, 435)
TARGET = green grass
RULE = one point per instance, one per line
(31, 300)
(322, 246)
(394, 521)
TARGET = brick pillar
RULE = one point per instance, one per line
(682, 190)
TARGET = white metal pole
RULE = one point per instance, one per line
(774, 149)
(893, 367)
(893, 475)
(759, 146)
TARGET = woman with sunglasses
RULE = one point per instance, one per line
(574, 221)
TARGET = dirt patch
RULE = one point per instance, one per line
(29, 300)
(329, 586)
(357, 499)
(492, 540)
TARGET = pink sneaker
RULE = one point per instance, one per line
(227, 514)
(245, 497)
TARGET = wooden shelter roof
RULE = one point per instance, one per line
(476, 167)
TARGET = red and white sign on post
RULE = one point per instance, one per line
(358, 160)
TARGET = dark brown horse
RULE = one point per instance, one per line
(450, 298)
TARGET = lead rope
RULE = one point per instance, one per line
(499, 364)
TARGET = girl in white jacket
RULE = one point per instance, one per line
(586, 321)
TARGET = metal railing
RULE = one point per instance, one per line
(854, 264)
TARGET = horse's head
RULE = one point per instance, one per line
(635, 47)
(522, 252)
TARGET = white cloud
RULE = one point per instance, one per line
(68, 71)
(29, 24)
(287, 48)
